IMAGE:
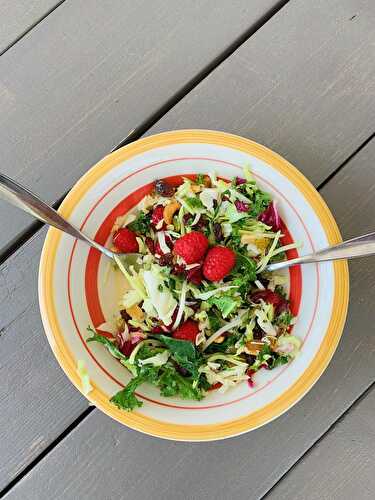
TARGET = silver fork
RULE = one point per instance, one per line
(21, 197)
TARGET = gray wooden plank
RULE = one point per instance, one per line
(304, 85)
(249, 465)
(37, 403)
(81, 80)
(18, 16)
(341, 466)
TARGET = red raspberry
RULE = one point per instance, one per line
(157, 215)
(125, 240)
(187, 331)
(191, 247)
(218, 263)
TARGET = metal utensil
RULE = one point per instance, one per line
(350, 249)
(22, 198)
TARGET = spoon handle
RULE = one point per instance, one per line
(21, 197)
(356, 247)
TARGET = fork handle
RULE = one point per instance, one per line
(350, 249)
(19, 196)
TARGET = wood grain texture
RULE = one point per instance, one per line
(37, 400)
(341, 466)
(79, 82)
(249, 465)
(18, 16)
(303, 85)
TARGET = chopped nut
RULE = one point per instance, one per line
(135, 312)
(254, 347)
(219, 340)
(260, 243)
(170, 210)
(196, 188)
(207, 181)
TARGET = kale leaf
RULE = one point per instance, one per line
(183, 352)
(141, 224)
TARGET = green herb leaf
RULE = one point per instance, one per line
(113, 349)
(194, 203)
(260, 202)
(183, 352)
(125, 399)
(226, 304)
(200, 179)
(214, 320)
(171, 383)
(141, 224)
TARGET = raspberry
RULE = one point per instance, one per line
(191, 247)
(126, 241)
(187, 331)
(218, 263)
(157, 215)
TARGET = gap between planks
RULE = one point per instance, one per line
(31, 27)
(309, 450)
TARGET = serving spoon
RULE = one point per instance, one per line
(21, 197)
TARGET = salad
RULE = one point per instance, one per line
(201, 312)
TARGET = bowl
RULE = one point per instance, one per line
(77, 287)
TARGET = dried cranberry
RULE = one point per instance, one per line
(193, 305)
(187, 218)
(195, 275)
(218, 231)
(124, 315)
(202, 224)
(242, 206)
(157, 330)
(258, 333)
(279, 303)
(214, 387)
(250, 359)
(240, 180)
(166, 259)
(168, 241)
(182, 371)
(178, 269)
(163, 188)
(150, 244)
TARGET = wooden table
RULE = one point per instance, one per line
(80, 77)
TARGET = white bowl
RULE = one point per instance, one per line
(75, 292)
